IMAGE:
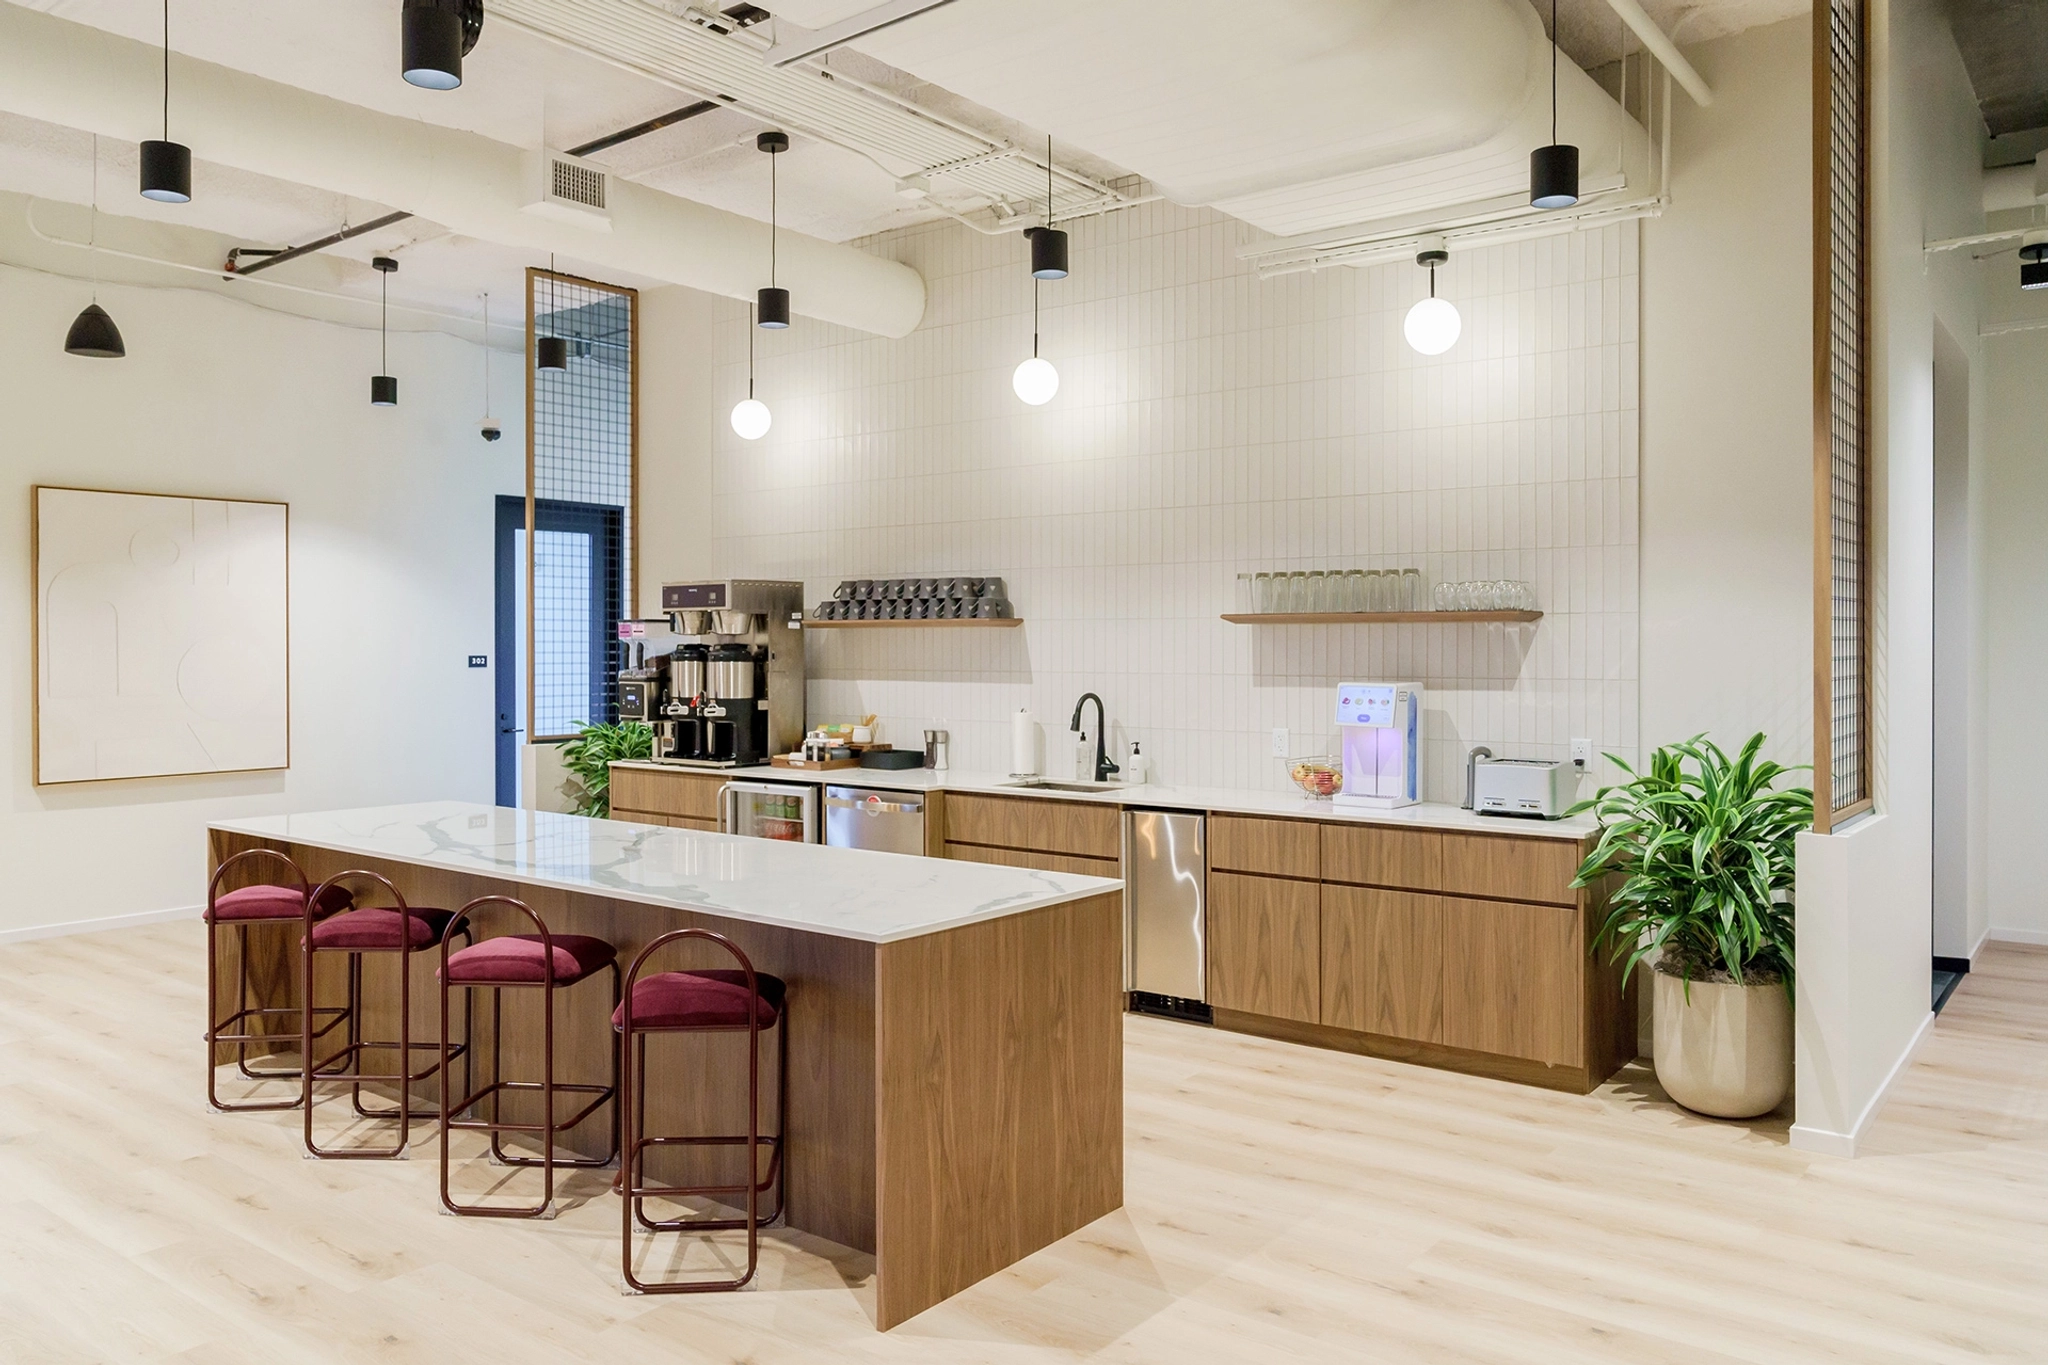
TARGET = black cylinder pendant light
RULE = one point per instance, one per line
(552, 352)
(167, 165)
(1048, 243)
(435, 35)
(384, 387)
(93, 333)
(1554, 170)
(771, 305)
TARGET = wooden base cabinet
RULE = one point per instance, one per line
(1383, 963)
(1265, 946)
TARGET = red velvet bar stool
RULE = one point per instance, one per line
(400, 931)
(719, 1000)
(543, 961)
(246, 907)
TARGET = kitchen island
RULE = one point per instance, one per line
(955, 1040)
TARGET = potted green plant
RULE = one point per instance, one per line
(1702, 847)
(589, 756)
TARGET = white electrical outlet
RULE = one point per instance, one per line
(1279, 741)
(1582, 752)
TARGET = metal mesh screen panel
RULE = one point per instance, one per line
(581, 486)
(1847, 462)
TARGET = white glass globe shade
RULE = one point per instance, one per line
(750, 418)
(1432, 326)
(1036, 381)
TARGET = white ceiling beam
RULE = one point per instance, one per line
(1664, 50)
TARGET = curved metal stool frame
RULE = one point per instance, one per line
(634, 1103)
(548, 1087)
(216, 1025)
(345, 1065)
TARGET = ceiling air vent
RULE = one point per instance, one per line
(570, 189)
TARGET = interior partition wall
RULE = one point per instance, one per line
(579, 547)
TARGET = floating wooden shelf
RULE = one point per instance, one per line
(970, 622)
(1339, 618)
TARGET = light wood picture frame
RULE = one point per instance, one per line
(161, 635)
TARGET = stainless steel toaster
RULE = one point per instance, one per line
(1537, 789)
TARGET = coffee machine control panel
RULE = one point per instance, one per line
(694, 596)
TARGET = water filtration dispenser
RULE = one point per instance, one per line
(1381, 724)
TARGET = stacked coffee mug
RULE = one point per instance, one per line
(957, 598)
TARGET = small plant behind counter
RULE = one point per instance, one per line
(1703, 846)
(589, 756)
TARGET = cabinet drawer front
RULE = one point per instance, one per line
(1264, 946)
(678, 793)
(649, 817)
(1452, 864)
(1046, 826)
(1514, 980)
(1383, 962)
(1037, 862)
(1275, 848)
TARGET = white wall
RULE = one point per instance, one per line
(391, 524)
(1208, 423)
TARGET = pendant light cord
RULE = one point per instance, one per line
(92, 233)
(167, 70)
(384, 323)
(1035, 282)
(1432, 281)
(750, 350)
(1048, 177)
(487, 353)
(772, 213)
(1553, 73)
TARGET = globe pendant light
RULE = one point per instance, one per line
(1048, 243)
(384, 387)
(750, 416)
(771, 305)
(167, 165)
(435, 35)
(93, 333)
(1554, 170)
(1432, 326)
(552, 352)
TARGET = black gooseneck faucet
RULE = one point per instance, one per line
(1103, 767)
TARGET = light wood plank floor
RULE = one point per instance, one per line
(1284, 1205)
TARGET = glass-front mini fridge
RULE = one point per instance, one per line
(769, 810)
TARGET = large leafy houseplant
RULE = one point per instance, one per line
(589, 756)
(1704, 847)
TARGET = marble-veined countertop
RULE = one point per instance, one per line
(841, 892)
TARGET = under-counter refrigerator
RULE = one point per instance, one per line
(769, 810)
(1166, 911)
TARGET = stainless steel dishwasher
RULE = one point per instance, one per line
(871, 817)
(1166, 912)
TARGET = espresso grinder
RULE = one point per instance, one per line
(733, 691)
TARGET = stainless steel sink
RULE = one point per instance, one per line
(1048, 785)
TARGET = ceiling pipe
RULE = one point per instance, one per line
(320, 244)
(1664, 50)
(73, 75)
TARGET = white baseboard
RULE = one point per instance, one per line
(2034, 936)
(94, 926)
(1830, 1143)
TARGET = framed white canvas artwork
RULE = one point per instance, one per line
(161, 635)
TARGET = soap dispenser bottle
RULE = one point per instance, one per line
(1137, 768)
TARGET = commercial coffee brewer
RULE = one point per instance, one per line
(730, 692)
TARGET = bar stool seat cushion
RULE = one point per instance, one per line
(381, 928)
(518, 959)
(274, 903)
(714, 998)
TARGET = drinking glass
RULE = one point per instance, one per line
(1315, 594)
(1442, 596)
(1356, 594)
(1262, 592)
(1411, 590)
(1241, 600)
(1297, 591)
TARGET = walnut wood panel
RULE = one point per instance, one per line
(1037, 862)
(1499, 866)
(1263, 948)
(699, 1082)
(934, 824)
(1000, 1106)
(1036, 823)
(1573, 1079)
(1274, 848)
(667, 793)
(1383, 962)
(649, 817)
(1514, 977)
(1610, 989)
(1369, 855)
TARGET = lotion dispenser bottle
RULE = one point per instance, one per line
(1137, 768)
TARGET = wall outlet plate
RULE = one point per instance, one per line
(1279, 741)
(1582, 753)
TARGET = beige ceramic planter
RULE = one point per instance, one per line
(1726, 1052)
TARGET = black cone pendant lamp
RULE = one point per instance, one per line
(1048, 243)
(384, 387)
(167, 165)
(435, 36)
(1554, 170)
(771, 305)
(93, 333)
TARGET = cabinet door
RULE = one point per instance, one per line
(1513, 980)
(1275, 848)
(1383, 962)
(1264, 946)
(1078, 829)
(694, 795)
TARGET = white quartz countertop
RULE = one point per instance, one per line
(841, 892)
(1227, 800)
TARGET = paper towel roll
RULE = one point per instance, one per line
(1023, 744)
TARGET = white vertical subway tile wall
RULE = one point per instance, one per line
(1208, 423)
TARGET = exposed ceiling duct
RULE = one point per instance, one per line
(74, 75)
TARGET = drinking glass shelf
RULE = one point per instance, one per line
(1338, 618)
(972, 622)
